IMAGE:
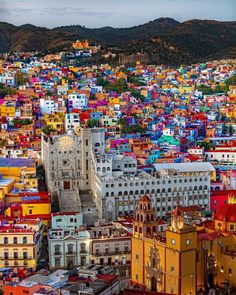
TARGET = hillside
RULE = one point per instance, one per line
(170, 40)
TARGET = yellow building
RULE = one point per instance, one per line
(7, 111)
(186, 258)
(18, 247)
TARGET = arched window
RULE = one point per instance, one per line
(153, 263)
(152, 218)
(142, 192)
(5, 240)
(148, 231)
(200, 187)
(136, 228)
(140, 230)
(141, 217)
(137, 217)
(136, 192)
(152, 191)
(57, 249)
(163, 190)
(148, 218)
(70, 248)
(103, 169)
(141, 206)
(24, 240)
(158, 191)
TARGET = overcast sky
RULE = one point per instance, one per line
(116, 13)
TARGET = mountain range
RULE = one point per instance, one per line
(172, 41)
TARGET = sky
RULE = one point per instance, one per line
(116, 13)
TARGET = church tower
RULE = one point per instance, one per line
(181, 246)
(144, 232)
(145, 219)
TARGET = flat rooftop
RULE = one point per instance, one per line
(17, 162)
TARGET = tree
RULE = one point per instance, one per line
(21, 78)
(48, 129)
(133, 129)
(92, 123)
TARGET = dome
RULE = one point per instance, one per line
(71, 132)
(226, 213)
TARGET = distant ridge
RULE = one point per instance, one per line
(167, 38)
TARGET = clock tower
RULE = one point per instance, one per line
(181, 246)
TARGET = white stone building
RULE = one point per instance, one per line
(117, 192)
(68, 241)
(67, 162)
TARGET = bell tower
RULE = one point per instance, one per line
(144, 224)
(181, 246)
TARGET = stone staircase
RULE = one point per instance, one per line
(69, 201)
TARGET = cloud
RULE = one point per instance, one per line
(97, 13)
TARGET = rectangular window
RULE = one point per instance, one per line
(15, 255)
(25, 255)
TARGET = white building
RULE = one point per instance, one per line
(68, 241)
(72, 121)
(77, 101)
(7, 79)
(118, 192)
(48, 106)
(221, 155)
(67, 162)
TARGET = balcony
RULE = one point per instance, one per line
(83, 251)
(71, 253)
(16, 258)
(110, 253)
(57, 253)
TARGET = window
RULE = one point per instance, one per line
(136, 256)
(25, 255)
(5, 240)
(6, 255)
(15, 240)
(30, 211)
(57, 249)
(24, 240)
(231, 227)
(15, 255)
(83, 247)
(70, 248)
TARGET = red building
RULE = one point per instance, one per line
(219, 198)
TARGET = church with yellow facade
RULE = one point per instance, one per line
(186, 258)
